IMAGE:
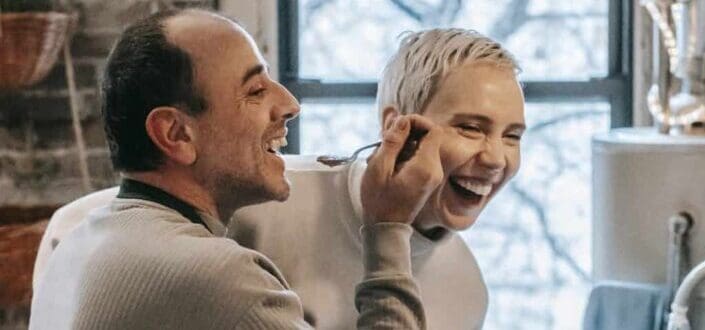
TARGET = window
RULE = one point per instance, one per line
(533, 241)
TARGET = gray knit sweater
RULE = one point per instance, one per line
(140, 265)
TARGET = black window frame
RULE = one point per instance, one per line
(615, 88)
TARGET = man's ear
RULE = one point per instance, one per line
(388, 115)
(171, 132)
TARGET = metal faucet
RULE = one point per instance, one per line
(677, 101)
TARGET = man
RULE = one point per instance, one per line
(194, 123)
(465, 83)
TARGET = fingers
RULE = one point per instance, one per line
(419, 128)
(425, 165)
(425, 137)
(397, 194)
(419, 165)
(420, 124)
(430, 144)
(392, 143)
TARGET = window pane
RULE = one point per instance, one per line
(533, 240)
(553, 39)
(337, 128)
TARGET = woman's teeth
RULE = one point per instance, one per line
(475, 187)
(276, 144)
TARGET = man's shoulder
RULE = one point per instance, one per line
(146, 230)
(166, 274)
(86, 203)
(70, 215)
(181, 250)
(215, 256)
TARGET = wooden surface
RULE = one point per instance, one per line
(18, 249)
(21, 230)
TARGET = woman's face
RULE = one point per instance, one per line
(481, 109)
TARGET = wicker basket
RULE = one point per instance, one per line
(29, 46)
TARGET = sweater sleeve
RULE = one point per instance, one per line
(388, 297)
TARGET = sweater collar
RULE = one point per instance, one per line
(420, 244)
(133, 189)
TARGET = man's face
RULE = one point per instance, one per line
(244, 124)
(481, 109)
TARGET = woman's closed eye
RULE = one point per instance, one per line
(513, 136)
(471, 130)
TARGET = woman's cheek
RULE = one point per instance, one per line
(456, 150)
(514, 162)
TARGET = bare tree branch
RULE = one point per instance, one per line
(442, 14)
(564, 118)
(407, 8)
(557, 250)
(514, 17)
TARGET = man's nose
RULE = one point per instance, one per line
(287, 106)
(492, 155)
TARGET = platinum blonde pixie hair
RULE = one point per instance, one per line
(424, 58)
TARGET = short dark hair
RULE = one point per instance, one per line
(144, 71)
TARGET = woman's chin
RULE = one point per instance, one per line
(456, 213)
(449, 212)
(457, 222)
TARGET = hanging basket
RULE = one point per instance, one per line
(29, 46)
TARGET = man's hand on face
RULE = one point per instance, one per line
(403, 171)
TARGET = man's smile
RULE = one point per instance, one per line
(275, 144)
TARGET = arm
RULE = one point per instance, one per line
(393, 192)
(388, 297)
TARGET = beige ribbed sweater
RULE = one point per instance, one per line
(139, 265)
(319, 253)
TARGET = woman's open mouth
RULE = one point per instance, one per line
(469, 189)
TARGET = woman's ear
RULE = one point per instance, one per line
(388, 115)
(172, 133)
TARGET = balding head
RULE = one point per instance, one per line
(207, 37)
(155, 63)
(198, 26)
(200, 32)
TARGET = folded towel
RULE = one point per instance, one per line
(624, 306)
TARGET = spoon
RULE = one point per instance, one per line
(333, 161)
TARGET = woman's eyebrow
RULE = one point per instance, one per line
(518, 126)
(485, 120)
(471, 116)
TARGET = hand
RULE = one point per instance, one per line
(399, 179)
